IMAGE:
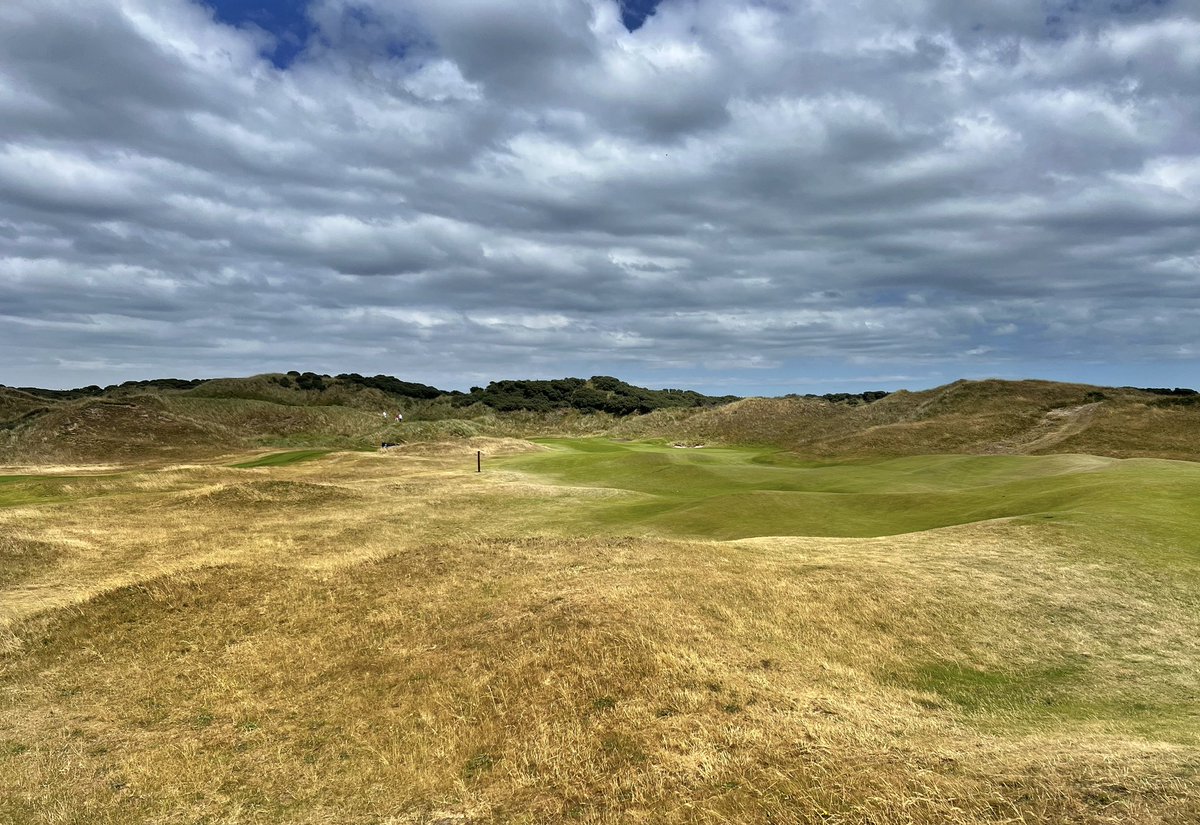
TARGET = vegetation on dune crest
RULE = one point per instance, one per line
(600, 393)
(971, 417)
(175, 418)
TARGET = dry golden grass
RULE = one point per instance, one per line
(1020, 417)
(393, 638)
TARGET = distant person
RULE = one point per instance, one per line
(399, 417)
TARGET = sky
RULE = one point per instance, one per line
(735, 196)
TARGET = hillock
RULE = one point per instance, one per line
(969, 417)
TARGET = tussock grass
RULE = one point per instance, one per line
(975, 417)
(393, 638)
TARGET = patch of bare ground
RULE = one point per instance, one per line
(1055, 427)
(467, 447)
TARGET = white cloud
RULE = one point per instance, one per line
(475, 188)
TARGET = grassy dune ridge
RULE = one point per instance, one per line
(600, 631)
(162, 424)
(974, 417)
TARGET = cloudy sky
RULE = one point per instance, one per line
(744, 196)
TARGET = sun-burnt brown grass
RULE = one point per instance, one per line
(395, 638)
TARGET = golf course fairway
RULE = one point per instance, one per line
(729, 493)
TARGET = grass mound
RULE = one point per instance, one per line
(21, 557)
(267, 493)
(282, 459)
(107, 430)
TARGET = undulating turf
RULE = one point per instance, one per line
(282, 459)
(31, 489)
(392, 637)
(728, 493)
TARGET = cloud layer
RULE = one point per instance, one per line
(738, 195)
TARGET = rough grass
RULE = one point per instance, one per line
(975, 417)
(394, 638)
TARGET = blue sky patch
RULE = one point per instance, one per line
(635, 12)
(287, 20)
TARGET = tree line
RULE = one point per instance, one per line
(600, 393)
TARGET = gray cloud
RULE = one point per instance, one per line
(737, 192)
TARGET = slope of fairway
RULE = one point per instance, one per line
(281, 459)
(728, 493)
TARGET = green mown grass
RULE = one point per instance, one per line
(281, 459)
(20, 490)
(1066, 692)
(729, 493)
